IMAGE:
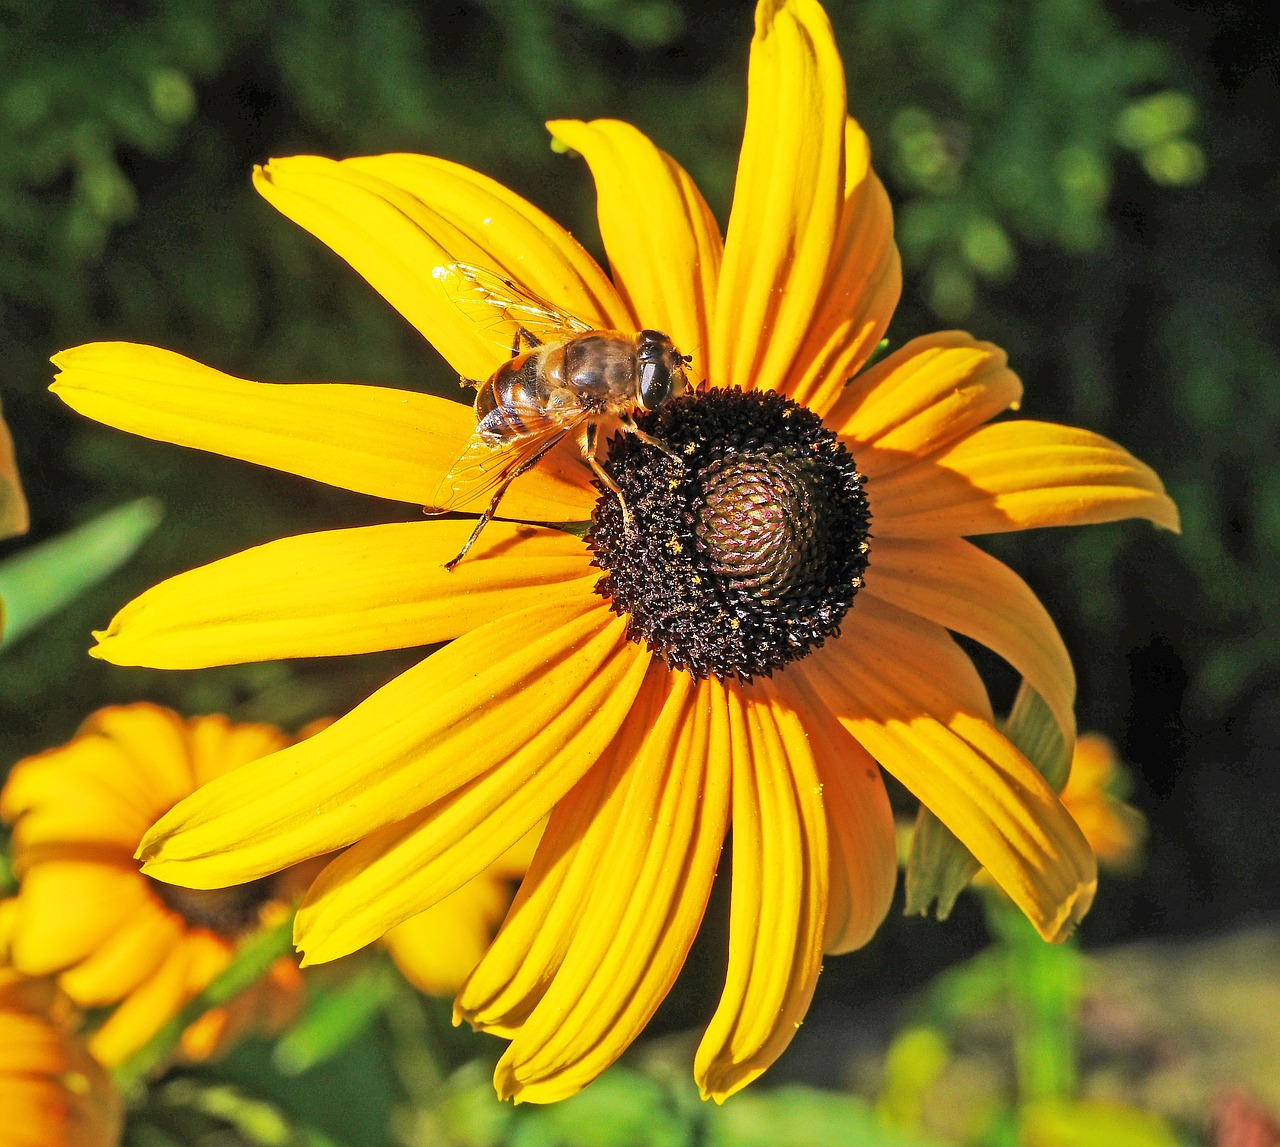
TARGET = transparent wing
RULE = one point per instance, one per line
(502, 308)
(483, 467)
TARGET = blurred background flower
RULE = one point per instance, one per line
(52, 1092)
(85, 913)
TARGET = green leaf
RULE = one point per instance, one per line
(939, 867)
(336, 1016)
(44, 578)
(803, 1117)
(621, 1109)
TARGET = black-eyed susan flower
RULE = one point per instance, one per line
(52, 1092)
(86, 914)
(770, 625)
(1093, 796)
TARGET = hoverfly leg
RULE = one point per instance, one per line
(587, 444)
(492, 508)
(530, 339)
(650, 440)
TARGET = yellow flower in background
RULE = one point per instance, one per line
(716, 674)
(1092, 795)
(14, 518)
(437, 950)
(52, 1092)
(86, 914)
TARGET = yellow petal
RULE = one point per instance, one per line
(642, 911)
(67, 909)
(404, 868)
(146, 1009)
(1016, 475)
(343, 591)
(397, 218)
(389, 443)
(91, 792)
(921, 397)
(217, 746)
(786, 200)
(860, 827)
(891, 680)
(128, 957)
(14, 517)
(863, 282)
(955, 584)
(436, 949)
(528, 951)
(429, 731)
(778, 909)
(663, 242)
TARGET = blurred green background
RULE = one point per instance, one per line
(1091, 186)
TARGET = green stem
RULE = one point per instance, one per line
(1044, 986)
(252, 959)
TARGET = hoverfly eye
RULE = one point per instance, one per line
(655, 384)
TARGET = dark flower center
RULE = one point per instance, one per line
(745, 550)
(229, 912)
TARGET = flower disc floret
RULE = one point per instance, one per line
(746, 543)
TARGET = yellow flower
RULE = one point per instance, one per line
(725, 680)
(437, 950)
(84, 911)
(52, 1093)
(14, 517)
(1114, 830)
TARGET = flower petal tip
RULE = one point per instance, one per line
(1060, 926)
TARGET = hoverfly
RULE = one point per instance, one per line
(564, 378)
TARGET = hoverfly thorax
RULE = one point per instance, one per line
(661, 369)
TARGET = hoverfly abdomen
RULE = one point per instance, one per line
(513, 402)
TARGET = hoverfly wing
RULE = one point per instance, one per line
(503, 308)
(483, 467)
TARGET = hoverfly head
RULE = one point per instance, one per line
(661, 369)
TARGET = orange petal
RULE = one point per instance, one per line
(1016, 475)
(786, 200)
(892, 681)
(375, 440)
(663, 242)
(397, 218)
(779, 902)
(860, 827)
(921, 397)
(955, 584)
(863, 282)
(436, 727)
(642, 911)
(404, 868)
(343, 591)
